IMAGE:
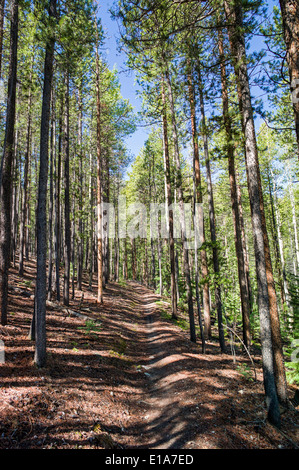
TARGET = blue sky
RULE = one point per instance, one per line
(127, 79)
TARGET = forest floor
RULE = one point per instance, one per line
(126, 377)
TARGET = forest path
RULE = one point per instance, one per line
(167, 419)
(184, 395)
(123, 375)
(191, 400)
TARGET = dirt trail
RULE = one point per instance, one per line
(127, 378)
(194, 400)
(165, 428)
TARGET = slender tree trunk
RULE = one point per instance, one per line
(51, 200)
(292, 199)
(199, 200)
(279, 241)
(245, 301)
(211, 215)
(28, 213)
(6, 165)
(41, 219)
(169, 203)
(16, 193)
(67, 224)
(73, 241)
(244, 242)
(106, 197)
(116, 239)
(133, 255)
(99, 184)
(243, 95)
(279, 368)
(181, 204)
(290, 18)
(235, 18)
(25, 182)
(201, 326)
(125, 270)
(2, 11)
(151, 182)
(80, 133)
(91, 227)
(275, 237)
(57, 169)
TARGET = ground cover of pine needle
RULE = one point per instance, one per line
(126, 378)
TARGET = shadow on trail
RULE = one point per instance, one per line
(183, 402)
(148, 385)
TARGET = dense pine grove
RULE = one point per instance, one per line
(219, 84)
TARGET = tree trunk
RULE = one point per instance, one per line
(292, 199)
(133, 255)
(25, 182)
(235, 17)
(244, 242)
(2, 11)
(99, 183)
(199, 200)
(51, 200)
(125, 266)
(41, 218)
(277, 222)
(211, 215)
(275, 237)
(73, 240)
(169, 203)
(67, 224)
(80, 133)
(91, 228)
(245, 301)
(181, 204)
(16, 192)
(6, 165)
(57, 178)
(290, 19)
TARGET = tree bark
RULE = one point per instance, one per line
(169, 203)
(6, 164)
(99, 184)
(2, 11)
(25, 182)
(180, 203)
(91, 220)
(80, 133)
(230, 148)
(290, 18)
(199, 200)
(294, 221)
(41, 218)
(244, 242)
(211, 214)
(57, 178)
(235, 17)
(51, 199)
(67, 224)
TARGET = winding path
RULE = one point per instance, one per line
(168, 421)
